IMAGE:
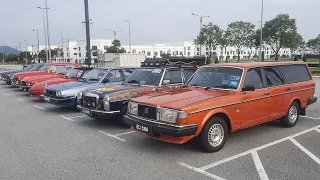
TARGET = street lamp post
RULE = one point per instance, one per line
(261, 26)
(201, 20)
(48, 32)
(26, 52)
(129, 35)
(87, 22)
(62, 46)
(68, 40)
(38, 43)
(45, 33)
(114, 33)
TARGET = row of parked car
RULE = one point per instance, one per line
(176, 99)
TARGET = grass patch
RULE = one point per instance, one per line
(315, 70)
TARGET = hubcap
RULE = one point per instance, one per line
(293, 114)
(216, 135)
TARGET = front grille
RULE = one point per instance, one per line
(89, 102)
(50, 93)
(148, 112)
(23, 83)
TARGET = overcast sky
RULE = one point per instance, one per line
(152, 21)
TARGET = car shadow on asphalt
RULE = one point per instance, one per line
(59, 110)
(101, 124)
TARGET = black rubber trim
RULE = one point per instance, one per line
(159, 129)
(312, 100)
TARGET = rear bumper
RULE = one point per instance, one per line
(94, 113)
(65, 102)
(158, 128)
(312, 100)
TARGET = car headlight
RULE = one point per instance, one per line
(133, 108)
(106, 103)
(28, 83)
(79, 97)
(169, 115)
(44, 91)
(58, 93)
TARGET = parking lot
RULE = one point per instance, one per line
(41, 141)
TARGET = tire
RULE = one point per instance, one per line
(120, 118)
(292, 116)
(215, 123)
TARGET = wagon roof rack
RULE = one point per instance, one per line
(174, 61)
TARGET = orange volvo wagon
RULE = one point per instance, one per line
(224, 98)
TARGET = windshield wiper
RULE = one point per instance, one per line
(223, 86)
(133, 82)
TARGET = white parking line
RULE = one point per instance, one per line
(69, 119)
(20, 99)
(6, 94)
(113, 136)
(78, 117)
(200, 171)
(318, 130)
(257, 162)
(130, 132)
(312, 156)
(39, 107)
(43, 107)
(311, 117)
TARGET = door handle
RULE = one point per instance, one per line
(266, 93)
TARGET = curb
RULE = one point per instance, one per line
(316, 76)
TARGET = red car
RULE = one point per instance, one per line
(77, 73)
(47, 69)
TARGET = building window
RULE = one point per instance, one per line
(67, 49)
(94, 47)
(105, 48)
(155, 53)
(184, 51)
(143, 51)
(180, 53)
(148, 53)
(79, 48)
(189, 53)
(173, 53)
(79, 54)
(74, 48)
(189, 48)
(177, 52)
(161, 52)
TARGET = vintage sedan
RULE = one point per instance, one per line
(3, 74)
(110, 102)
(65, 95)
(44, 70)
(60, 72)
(74, 75)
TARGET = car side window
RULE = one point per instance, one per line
(115, 76)
(188, 73)
(127, 73)
(296, 73)
(273, 76)
(173, 75)
(254, 77)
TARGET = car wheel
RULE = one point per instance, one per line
(121, 119)
(213, 135)
(292, 116)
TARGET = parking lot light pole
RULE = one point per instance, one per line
(48, 31)
(62, 46)
(201, 23)
(68, 39)
(114, 33)
(45, 33)
(38, 43)
(261, 33)
(129, 35)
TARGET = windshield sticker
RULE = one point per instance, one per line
(105, 89)
(225, 82)
(232, 78)
(157, 71)
(238, 78)
(233, 83)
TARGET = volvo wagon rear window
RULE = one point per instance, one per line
(296, 73)
(217, 77)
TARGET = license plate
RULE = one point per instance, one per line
(86, 111)
(142, 128)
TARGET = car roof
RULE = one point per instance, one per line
(255, 64)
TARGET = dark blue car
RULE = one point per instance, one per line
(8, 75)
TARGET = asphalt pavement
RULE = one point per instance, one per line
(41, 141)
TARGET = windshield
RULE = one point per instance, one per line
(75, 73)
(36, 67)
(95, 74)
(144, 76)
(45, 67)
(217, 77)
(28, 67)
(61, 69)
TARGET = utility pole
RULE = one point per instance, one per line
(48, 32)
(129, 35)
(26, 52)
(38, 43)
(45, 33)
(87, 21)
(62, 46)
(114, 33)
(261, 39)
(201, 24)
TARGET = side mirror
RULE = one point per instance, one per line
(166, 82)
(106, 81)
(249, 88)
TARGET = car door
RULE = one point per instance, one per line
(279, 93)
(254, 104)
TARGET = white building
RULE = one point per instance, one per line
(75, 51)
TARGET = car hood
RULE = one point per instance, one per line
(11, 72)
(41, 77)
(179, 98)
(31, 73)
(119, 89)
(72, 85)
(54, 81)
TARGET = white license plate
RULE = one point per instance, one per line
(86, 111)
(142, 128)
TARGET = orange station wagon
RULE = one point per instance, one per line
(224, 98)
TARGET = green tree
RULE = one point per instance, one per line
(294, 42)
(277, 31)
(224, 42)
(209, 36)
(12, 58)
(241, 35)
(25, 57)
(115, 47)
(314, 44)
(2, 57)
